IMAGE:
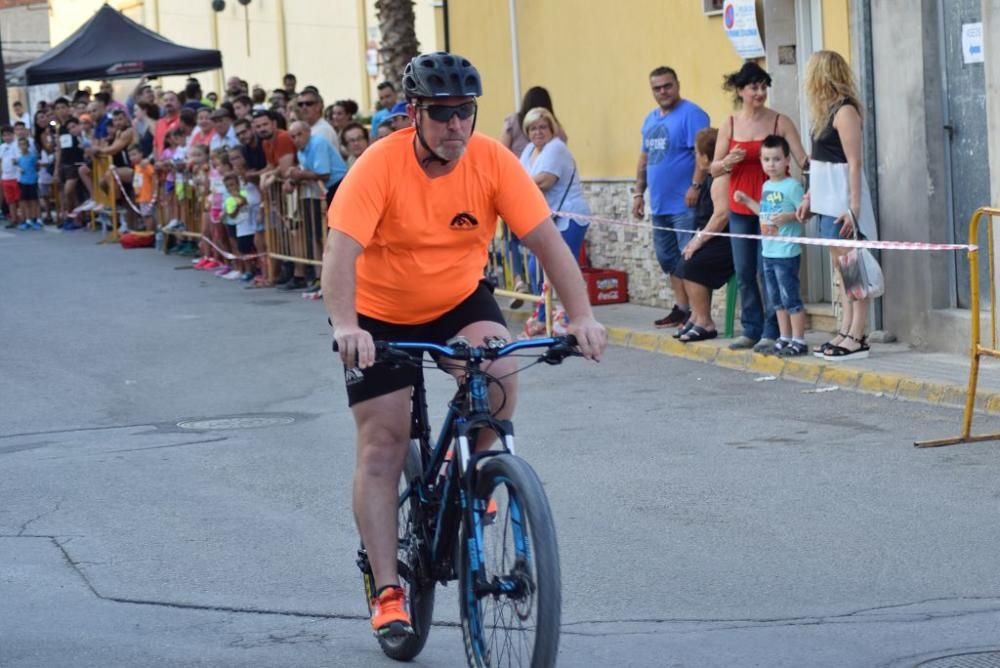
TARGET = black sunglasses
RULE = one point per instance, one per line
(308, 103)
(442, 113)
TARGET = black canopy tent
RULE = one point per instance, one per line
(113, 46)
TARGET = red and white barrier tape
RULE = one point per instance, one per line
(131, 205)
(227, 254)
(809, 241)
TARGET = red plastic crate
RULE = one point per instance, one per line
(606, 286)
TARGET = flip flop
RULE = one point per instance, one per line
(683, 329)
(698, 333)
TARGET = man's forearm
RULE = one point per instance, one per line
(338, 281)
(640, 175)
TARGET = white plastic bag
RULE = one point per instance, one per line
(860, 272)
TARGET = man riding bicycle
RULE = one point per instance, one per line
(410, 230)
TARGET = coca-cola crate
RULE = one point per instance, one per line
(606, 286)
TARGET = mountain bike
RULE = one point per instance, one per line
(480, 518)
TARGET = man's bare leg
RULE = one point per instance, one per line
(383, 428)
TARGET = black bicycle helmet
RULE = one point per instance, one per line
(441, 74)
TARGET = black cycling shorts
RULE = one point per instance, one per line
(380, 379)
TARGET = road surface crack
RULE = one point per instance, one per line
(24, 527)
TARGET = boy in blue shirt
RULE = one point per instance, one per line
(27, 182)
(780, 198)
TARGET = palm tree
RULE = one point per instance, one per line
(399, 39)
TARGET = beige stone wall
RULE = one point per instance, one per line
(630, 248)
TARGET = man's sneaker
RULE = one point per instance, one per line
(743, 343)
(522, 288)
(24, 226)
(69, 226)
(247, 277)
(675, 318)
(37, 224)
(232, 275)
(765, 346)
(389, 616)
(294, 284)
(223, 269)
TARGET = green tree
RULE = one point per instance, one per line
(399, 38)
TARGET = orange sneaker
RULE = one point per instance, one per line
(389, 616)
(490, 516)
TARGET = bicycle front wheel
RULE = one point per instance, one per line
(511, 613)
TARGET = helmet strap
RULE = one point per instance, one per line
(433, 157)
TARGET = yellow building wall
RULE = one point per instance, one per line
(594, 58)
(324, 39)
(837, 27)
(480, 31)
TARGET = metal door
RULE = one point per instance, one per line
(965, 132)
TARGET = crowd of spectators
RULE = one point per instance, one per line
(169, 148)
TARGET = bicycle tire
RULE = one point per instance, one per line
(419, 588)
(539, 580)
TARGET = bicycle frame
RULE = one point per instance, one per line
(448, 496)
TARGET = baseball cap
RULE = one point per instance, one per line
(398, 109)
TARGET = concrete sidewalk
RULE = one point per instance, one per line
(892, 370)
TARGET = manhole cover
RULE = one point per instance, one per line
(244, 422)
(989, 659)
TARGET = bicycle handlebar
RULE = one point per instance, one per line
(558, 349)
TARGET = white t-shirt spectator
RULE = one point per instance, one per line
(9, 153)
(228, 140)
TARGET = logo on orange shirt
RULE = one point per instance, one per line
(464, 221)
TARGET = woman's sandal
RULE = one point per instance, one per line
(839, 353)
(698, 333)
(683, 329)
(824, 349)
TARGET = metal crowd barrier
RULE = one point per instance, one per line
(99, 167)
(977, 350)
(294, 224)
(503, 256)
(189, 211)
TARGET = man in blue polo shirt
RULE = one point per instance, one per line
(667, 165)
(319, 166)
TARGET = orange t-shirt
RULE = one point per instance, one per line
(274, 149)
(426, 240)
(142, 181)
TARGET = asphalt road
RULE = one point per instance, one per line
(705, 517)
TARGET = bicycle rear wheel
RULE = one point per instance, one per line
(516, 622)
(412, 575)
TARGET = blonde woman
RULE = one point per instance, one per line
(553, 170)
(838, 193)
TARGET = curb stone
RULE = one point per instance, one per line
(895, 386)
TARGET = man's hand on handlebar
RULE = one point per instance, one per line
(590, 336)
(356, 346)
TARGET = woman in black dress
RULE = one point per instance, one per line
(707, 260)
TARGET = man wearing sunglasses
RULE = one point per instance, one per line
(410, 231)
(310, 109)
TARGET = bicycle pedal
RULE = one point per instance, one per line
(395, 630)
